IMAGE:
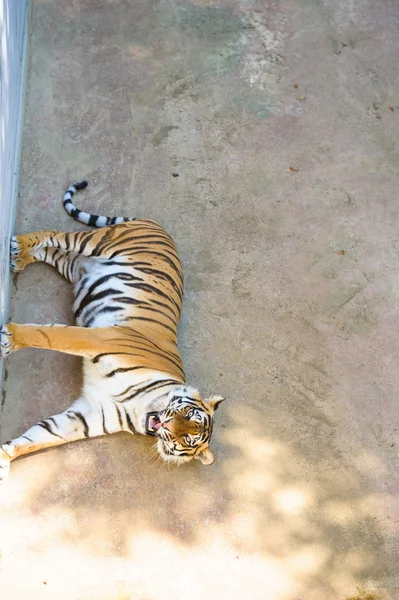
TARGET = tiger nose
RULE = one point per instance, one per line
(167, 424)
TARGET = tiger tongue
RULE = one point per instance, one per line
(154, 423)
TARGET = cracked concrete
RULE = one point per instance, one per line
(263, 136)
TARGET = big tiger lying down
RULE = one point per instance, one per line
(128, 287)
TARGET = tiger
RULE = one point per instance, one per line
(128, 288)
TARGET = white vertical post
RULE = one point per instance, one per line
(13, 41)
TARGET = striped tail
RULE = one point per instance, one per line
(84, 217)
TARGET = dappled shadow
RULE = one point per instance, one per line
(261, 521)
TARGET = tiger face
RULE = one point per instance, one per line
(184, 427)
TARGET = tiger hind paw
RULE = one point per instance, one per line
(17, 263)
(6, 341)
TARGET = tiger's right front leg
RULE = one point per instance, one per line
(84, 419)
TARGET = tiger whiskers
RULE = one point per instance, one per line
(158, 460)
(150, 455)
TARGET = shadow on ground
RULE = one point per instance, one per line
(103, 521)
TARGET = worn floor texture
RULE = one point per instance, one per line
(281, 120)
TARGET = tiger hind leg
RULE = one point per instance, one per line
(70, 265)
(29, 248)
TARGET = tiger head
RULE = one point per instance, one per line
(184, 426)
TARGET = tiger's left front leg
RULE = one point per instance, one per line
(81, 341)
(84, 419)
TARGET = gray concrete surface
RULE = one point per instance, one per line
(281, 120)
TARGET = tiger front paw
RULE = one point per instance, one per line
(4, 465)
(6, 341)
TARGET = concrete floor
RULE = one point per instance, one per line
(281, 119)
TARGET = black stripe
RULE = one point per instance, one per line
(158, 303)
(151, 321)
(88, 237)
(162, 275)
(104, 426)
(106, 309)
(180, 400)
(129, 238)
(145, 390)
(169, 247)
(75, 212)
(46, 337)
(83, 421)
(151, 386)
(47, 427)
(98, 282)
(65, 268)
(52, 420)
(118, 263)
(163, 240)
(118, 410)
(150, 288)
(144, 339)
(56, 262)
(100, 356)
(82, 285)
(135, 385)
(190, 401)
(130, 423)
(102, 280)
(93, 298)
(126, 231)
(71, 263)
(93, 220)
(93, 286)
(127, 276)
(124, 370)
(150, 309)
(165, 256)
(57, 251)
(165, 355)
(107, 239)
(128, 300)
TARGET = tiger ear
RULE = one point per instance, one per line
(214, 401)
(205, 456)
